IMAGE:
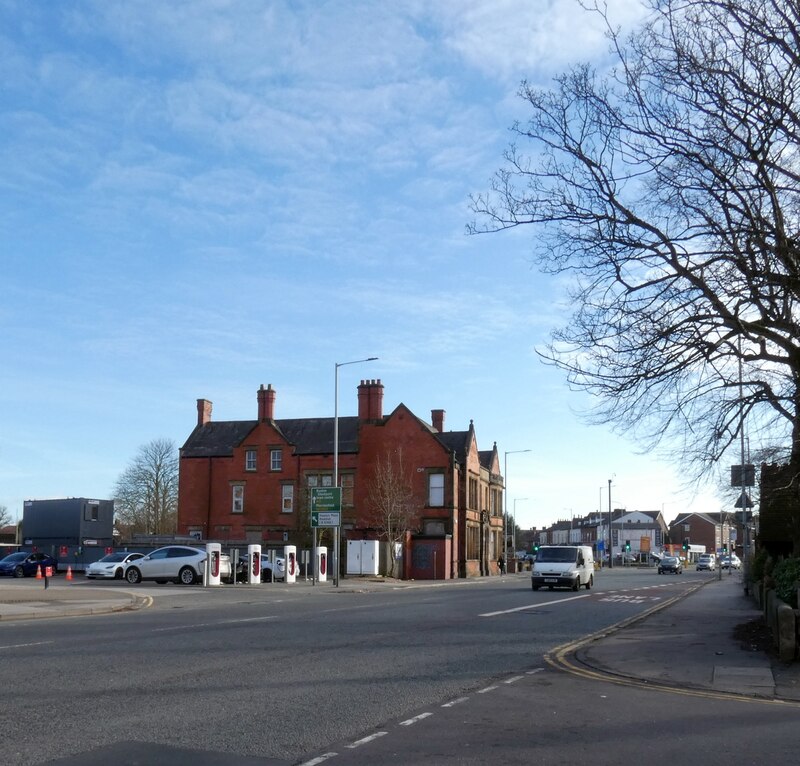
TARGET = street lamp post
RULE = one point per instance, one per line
(338, 528)
(505, 499)
(610, 533)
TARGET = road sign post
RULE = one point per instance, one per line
(326, 511)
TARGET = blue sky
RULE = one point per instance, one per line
(200, 197)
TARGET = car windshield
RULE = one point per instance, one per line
(557, 555)
(113, 557)
(15, 557)
(668, 560)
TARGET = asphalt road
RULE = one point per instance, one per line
(450, 673)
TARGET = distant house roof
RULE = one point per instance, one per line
(709, 518)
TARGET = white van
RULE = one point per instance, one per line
(564, 566)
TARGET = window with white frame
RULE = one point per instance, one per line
(237, 504)
(287, 498)
(275, 459)
(250, 460)
(436, 489)
(319, 479)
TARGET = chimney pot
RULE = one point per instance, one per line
(203, 412)
(266, 402)
(370, 400)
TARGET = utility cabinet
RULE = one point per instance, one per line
(363, 557)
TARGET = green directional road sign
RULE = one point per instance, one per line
(326, 506)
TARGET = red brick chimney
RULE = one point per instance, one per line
(437, 419)
(203, 412)
(266, 402)
(370, 400)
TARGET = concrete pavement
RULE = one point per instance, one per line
(29, 599)
(707, 641)
(711, 641)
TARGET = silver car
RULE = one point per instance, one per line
(707, 561)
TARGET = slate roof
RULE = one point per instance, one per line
(308, 436)
(455, 441)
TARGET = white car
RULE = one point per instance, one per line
(176, 563)
(732, 561)
(111, 566)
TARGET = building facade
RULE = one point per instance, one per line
(250, 481)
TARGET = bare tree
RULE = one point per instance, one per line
(669, 187)
(5, 516)
(392, 510)
(146, 494)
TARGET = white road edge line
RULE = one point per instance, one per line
(215, 624)
(487, 689)
(533, 606)
(23, 646)
(455, 702)
(365, 740)
(320, 759)
(513, 679)
(415, 719)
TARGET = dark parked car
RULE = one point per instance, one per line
(670, 564)
(26, 564)
(266, 569)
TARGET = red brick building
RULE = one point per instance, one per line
(249, 481)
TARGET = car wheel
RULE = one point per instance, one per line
(590, 582)
(133, 575)
(118, 574)
(534, 587)
(266, 575)
(19, 571)
(186, 576)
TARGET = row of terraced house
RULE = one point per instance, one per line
(643, 532)
(250, 481)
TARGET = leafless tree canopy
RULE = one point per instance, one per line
(146, 494)
(5, 516)
(390, 498)
(668, 187)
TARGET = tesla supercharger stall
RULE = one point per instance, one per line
(290, 557)
(322, 564)
(213, 556)
(253, 564)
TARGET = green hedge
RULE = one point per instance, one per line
(786, 575)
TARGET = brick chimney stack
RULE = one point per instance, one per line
(437, 420)
(370, 400)
(266, 403)
(203, 412)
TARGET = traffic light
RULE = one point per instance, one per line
(685, 543)
(627, 546)
(725, 549)
(536, 547)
